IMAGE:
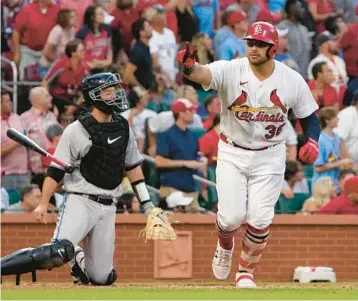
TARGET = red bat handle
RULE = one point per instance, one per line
(54, 159)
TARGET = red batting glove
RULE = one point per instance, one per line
(309, 152)
(186, 57)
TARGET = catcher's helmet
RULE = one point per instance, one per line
(265, 32)
(92, 88)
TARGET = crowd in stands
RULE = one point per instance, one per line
(176, 123)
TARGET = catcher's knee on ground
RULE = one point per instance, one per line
(106, 279)
(44, 257)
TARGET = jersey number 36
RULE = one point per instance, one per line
(273, 130)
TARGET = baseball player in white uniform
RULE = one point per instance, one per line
(100, 146)
(256, 93)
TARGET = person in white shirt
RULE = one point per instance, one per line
(162, 44)
(347, 128)
(138, 114)
(328, 50)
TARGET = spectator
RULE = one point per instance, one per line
(234, 46)
(322, 91)
(347, 128)
(35, 121)
(5, 198)
(335, 25)
(254, 12)
(205, 55)
(59, 36)
(13, 155)
(208, 143)
(283, 54)
(349, 9)
(349, 44)
(320, 11)
(124, 16)
(138, 114)
(328, 49)
(79, 7)
(332, 152)
(291, 143)
(295, 181)
(96, 37)
(213, 108)
(53, 134)
(32, 27)
(64, 78)
(208, 14)
(187, 21)
(177, 156)
(128, 203)
(322, 192)
(347, 202)
(30, 198)
(297, 35)
(162, 44)
(139, 71)
(344, 176)
(222, 33)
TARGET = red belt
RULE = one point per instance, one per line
(230, 142)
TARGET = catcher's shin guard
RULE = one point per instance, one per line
(44, 257)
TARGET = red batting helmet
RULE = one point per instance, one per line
(265, 32)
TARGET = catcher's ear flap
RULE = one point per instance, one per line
(158, 227)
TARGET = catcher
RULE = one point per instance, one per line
(100, 147)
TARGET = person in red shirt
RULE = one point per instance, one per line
(322, 91)
(124, 16)
(346, 203)
(213, 107)
(349, 45)
(32, 26)
(97, 39)
(208, 144)
(321, 10)
(64, 78)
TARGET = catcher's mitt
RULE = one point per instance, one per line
(158, 226)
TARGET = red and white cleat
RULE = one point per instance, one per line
(245, 280)
(222, 262)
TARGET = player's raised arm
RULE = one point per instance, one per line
(192, 70)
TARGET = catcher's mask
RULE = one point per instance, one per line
(93, 87)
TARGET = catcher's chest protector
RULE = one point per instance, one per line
(103, 165)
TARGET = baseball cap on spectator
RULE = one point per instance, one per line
(236, 17)
(323, 38)
(177, 198)
(351, 185)
(54, 130)
(182, 105)
(152, 12)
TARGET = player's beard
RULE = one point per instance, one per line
(258, 61)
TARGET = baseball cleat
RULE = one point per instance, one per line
(222, 262)
(77, 265)
(245, 280)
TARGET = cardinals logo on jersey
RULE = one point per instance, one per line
(239, 101)
(277, 101)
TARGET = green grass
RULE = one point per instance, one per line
(173, 291)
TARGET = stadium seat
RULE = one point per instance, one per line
(308, 169)
(198, 132)
(291, 206)
(212, 193)
(14, 196)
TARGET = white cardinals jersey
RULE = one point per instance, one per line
(254, 112)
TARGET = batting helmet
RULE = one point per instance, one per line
(265, 32)
(92, 87)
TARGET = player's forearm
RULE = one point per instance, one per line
(136, 178)
(48, 189)
(199, 74)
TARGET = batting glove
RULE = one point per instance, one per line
(309, 152)
(186, 57)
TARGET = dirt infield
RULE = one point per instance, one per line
(179, 285)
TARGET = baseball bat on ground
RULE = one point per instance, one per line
(28, 143)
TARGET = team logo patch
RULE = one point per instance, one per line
(258, 29)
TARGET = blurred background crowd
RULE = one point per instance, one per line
(54, 44)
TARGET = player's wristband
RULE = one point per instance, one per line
(189, 70)
(141, 191)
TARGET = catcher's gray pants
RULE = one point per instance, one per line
(83, 219)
